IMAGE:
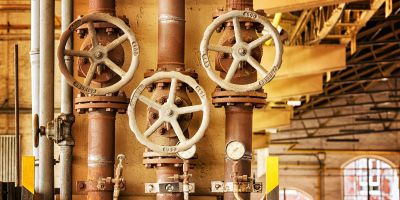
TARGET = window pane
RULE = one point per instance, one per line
(373, 176)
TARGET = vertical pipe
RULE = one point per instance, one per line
(35, 65)
(171, 34)
(101, 146)
(103, 6)
(171, 57)
(46, 147)
(239, 4)
(66, 108)
(239, 120)
(16, 94)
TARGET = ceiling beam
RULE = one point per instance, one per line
(277, 6)
(306, 60)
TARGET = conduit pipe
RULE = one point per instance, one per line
(66, 108)
(46, 146)
(35, 66)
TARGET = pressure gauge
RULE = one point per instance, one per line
(188, 154)
(235, 150)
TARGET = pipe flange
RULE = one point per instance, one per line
(98, 54)
(169, 113)
(252, 98)
(109, 103)
(241, 51)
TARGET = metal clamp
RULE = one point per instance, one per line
(176, 187)
(59, 128)
(243, 187)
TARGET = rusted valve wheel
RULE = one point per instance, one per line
(169, 112)
(241, 51)
(98, 54)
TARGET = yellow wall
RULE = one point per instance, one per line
(143, 17)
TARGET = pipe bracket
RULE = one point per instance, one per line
(243, 187)
(176, 187)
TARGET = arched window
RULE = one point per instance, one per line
(370, 179)
(293, 194)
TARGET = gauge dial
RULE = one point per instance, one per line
(235, 150)
(188, 154)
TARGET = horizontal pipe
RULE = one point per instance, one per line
(10, 110)
(14, 7)
(329, 127)
(334, 135)
(352, 104)
(341, 115)
(362, 80)
(20, 26)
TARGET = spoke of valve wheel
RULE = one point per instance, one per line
(190, 109)
(69, 52)
(153, 128)
(220, 48)
(114, 67)
(178, 130)
(117, 42)
(232, 70)
(236, 27)
(92, 32)
(256, 65)
(172, 91)
(261, 40)
(90, 75)
(149, 102)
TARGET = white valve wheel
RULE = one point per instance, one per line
(98, 54)
(241, 51)
(169, 112)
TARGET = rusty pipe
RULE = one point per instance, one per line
(239, 4)
(15, 7)
(238, 127)
(17, 133)
(101, 146)
(171, 57)
(164, 175)
(171, 34)
(102, 6)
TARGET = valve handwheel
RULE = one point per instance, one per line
(98, 54)
(169, 112)
(241, 51)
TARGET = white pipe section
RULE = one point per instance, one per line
(46, 147)
(66, 108)
(35, 65)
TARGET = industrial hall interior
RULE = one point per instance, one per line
(199, 99)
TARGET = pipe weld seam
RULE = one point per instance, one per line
(170, 18)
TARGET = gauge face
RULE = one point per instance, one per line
(235, 150)
(188, 153)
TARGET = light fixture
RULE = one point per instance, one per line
(294, 103)
(271, 130)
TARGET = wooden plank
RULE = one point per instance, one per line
(271, 118)
(282, 89)
(276, 6)
(306, 60)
